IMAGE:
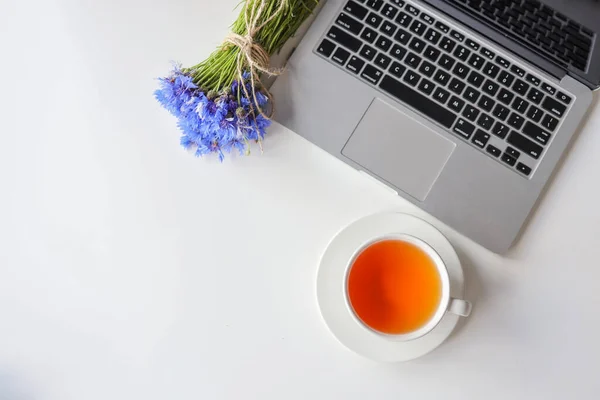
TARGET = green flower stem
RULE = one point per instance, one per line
(220, 69)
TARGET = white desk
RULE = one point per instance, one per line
(130, 270)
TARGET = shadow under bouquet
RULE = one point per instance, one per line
(221, 104)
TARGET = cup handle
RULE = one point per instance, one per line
(460, 307)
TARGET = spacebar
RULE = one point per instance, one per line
(417, 101)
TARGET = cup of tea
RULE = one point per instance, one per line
(399, 287)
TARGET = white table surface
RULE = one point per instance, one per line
(130, 270)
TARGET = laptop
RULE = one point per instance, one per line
(463, 107)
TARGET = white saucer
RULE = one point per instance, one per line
(331, 278)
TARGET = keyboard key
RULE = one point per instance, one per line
(383, 43)
(426, 86)
(375, 4)
(534, 114)
(493, 150)
(457, 35)
(343, 38)
(402, 36)
(475, 79)
(368, 52)
(404, 19)
(389, 11)
(554, 107)
(473, 45)
(490, 87)
(447, 44)
(355, 64)
(369, 35)
(534, 80)
(433, 36)
(419, 102)
(506, 78)
(535, 95)
(413, 60)
(441, 77)
(500, 130)
(464, 128)
(414, 11)
(399, 3)
(517, 70)
(508, 159)
(486, 103)
(442, 27)
(471, 95)
(398, 52)
(456, 86)
(564, 98)
(349, 23)
(525, 145)
(397, 69)
(536, 133)
(372, 74)
(516, 121)
(549, 89)
(491, 70)
(485, 121)
(456, 104)
(382, 61)
(427, 68)
(481, 138)
(512, 152)
(326, 47)
(341, 56)
(427, 18)
(476, 61)
(488, 53)
(446, 62)
(462, 53)
(374, 20)
(461, 70)
(505, 96)
(550, 123)
(417, 45)
(524, 169)
(441, 95)
(431, 53)
(388, 28)
(418, 27)
(521, 87)
(501, 112)
(412, 78)
(356, 10)
(470, 113)
(502, 62)
(520, 105)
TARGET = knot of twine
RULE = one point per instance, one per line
(252, 55)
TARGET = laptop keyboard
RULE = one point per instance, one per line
(494, 104)
(543, 28)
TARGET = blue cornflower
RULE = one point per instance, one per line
(214, 123)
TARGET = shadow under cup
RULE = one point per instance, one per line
(398, 286)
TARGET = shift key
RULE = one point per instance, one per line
(525, 145)
(343, 38)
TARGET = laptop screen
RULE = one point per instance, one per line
(562, 32)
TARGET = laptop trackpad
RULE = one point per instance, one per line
(399, 149)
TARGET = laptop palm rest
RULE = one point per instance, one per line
(398, 149)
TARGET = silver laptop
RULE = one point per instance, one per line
(463, 107)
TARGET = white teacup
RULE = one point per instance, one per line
(446, 304)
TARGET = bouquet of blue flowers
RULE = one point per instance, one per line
(221, 104)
